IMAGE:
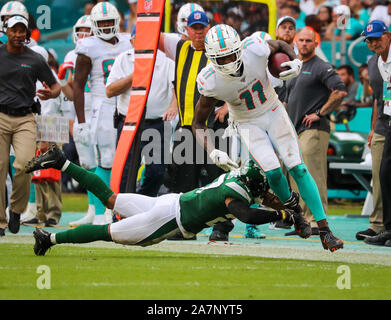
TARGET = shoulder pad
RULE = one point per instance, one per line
(206, 80)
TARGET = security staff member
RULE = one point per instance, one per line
(20, 68)
(379, 37)
(189, 56)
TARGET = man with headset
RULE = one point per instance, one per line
(20, 68)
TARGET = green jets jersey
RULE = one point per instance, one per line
(204, 207)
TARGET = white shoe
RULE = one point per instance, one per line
(31, 212)
(87, 219)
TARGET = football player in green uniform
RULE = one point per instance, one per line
(149, 220)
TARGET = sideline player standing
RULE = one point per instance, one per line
(95, 57)
(82, 29)
(150, 220)
(238, 76)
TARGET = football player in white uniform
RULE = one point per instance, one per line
(237, 74)
(95, 56)
(82, 29)
(12, 8)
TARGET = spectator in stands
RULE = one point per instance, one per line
(346, 73)
(325, 16)
(294, 12)
(342, 20)
(359, 11)
(234, 18)
(88, 7)
(364, 91)
(381, 12)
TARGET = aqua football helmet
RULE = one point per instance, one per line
(221, 41)
(12, 8)
(82, 22)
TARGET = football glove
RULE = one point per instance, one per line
(62, 71)
(222, 160)
(295, 67)
(81, 133)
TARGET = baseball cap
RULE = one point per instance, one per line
(374, 29)
(197, 17)
(286, 18)
(15, 20)
(342, 9)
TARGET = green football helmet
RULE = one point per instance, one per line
(254, 178)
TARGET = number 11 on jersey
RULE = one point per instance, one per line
(247, 96)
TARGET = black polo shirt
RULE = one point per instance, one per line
(309, 91)
(18, 76)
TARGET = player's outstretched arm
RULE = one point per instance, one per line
(246, 214)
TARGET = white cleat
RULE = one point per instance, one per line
(31, 212)
(87, 219)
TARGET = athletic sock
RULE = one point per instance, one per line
(279, 184)
(90, 181)
(308, 191)
(32, 193)
(104, 175)
(84, 234)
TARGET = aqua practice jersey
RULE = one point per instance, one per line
(205, 206)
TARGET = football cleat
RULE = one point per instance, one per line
(53, 158)
(302, 227)
(330, 241)
(252, 232)
(42, 242)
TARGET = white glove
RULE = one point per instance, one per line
(295, 67)
(81, 133)
(222, 160)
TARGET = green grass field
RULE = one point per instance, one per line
(103, 273)
(276, 268)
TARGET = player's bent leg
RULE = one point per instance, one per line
(130, 204)
(54, 158)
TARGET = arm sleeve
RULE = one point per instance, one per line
(246, 214)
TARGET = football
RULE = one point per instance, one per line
(275, 61)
